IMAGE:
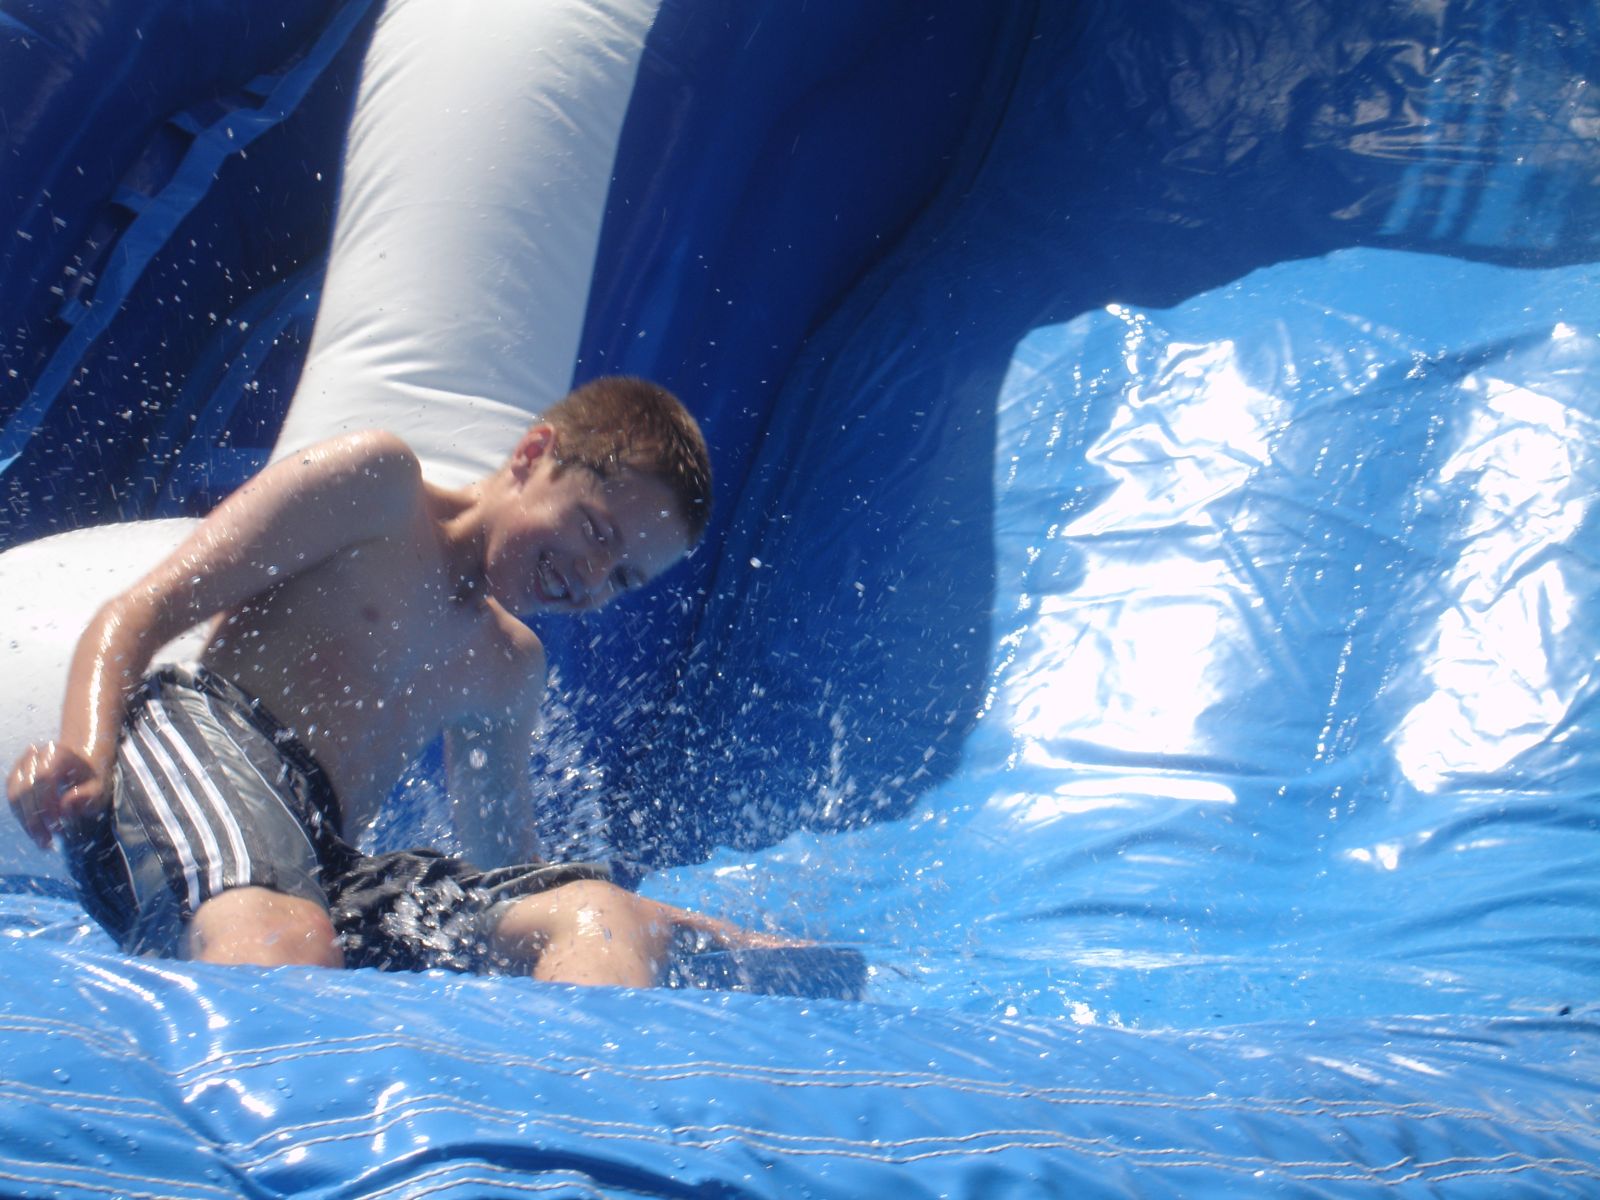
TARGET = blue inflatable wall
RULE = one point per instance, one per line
(1151, 609)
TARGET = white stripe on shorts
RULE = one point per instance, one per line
(138, 761)
(275, 790)
(208, 855)
(212, 798)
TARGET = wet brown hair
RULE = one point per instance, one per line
(620, 421)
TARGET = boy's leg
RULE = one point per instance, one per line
(256, 926)
(214, 845)
(592, 932)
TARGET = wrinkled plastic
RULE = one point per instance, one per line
(1184, 529)
(200, 1082)
(1147, 156)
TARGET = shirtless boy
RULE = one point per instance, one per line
(357, 611)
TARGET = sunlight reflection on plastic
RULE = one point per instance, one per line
(1385, 855)
(1079, 797)
(1126, 650)
(257, 1104)
(384, 1101)
(1497, 692)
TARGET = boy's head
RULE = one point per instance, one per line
(618, 422)
(599, 497)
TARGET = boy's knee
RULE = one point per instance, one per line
(259, 927)
(571, 910)
(588, 931)
(588, 898)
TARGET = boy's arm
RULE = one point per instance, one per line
(487, 775)
(486, 752)
(293, 515)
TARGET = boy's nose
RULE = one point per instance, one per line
(591, 571)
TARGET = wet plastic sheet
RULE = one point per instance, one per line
(1187, 528)
(1143, 157)
(160, 1081)
(1287, 705)
(1143, 976)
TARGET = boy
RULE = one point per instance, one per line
(358, 611)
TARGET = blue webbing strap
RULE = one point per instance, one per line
(164, 212)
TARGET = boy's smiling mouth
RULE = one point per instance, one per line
(552, 585)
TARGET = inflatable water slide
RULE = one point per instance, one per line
(1150, 612)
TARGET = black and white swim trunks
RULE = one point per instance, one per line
(418, 910)
(211, 792)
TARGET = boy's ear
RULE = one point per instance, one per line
(538, 441)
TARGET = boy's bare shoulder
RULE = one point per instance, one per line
(519, 669)
(375, 456)
(366, 480)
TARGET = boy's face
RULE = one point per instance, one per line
(569, 541)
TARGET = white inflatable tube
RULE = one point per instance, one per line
(475, 181)
(51, 588)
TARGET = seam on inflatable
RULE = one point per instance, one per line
(507, 1179)
(49, 1175)
(23, 30)
(775, 1141)
(950, 1146)
(100, 1104)
(801, 1077)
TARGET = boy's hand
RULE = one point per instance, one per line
(53, 785)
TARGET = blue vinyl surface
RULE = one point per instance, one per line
(190, 1082)
(1152, 614)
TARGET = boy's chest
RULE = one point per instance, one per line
(369, 656)
(378, 626)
